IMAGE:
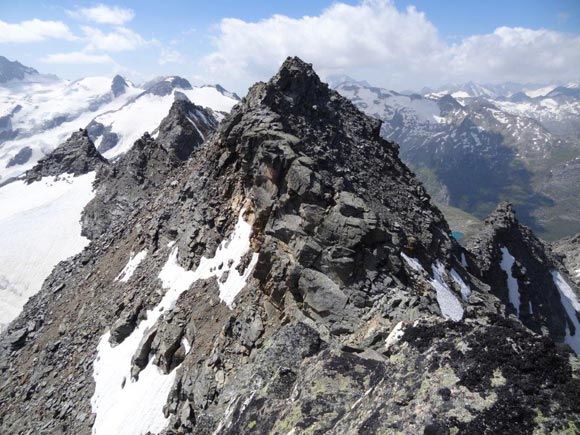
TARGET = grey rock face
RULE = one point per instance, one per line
(76, 156)
(119, 86)
(166, 85)
(185, 128)
(569, 250)
(21, 157)
(334, 332)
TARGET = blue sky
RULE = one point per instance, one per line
(398, 44)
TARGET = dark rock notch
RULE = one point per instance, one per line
(21, 157)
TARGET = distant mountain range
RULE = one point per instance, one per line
(38, 112)
(475, 145)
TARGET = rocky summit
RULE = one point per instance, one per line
(290, 275)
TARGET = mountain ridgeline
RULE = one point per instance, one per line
(287, 273)
(473, 147)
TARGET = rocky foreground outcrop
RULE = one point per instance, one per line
(295, 278)
(76, 156)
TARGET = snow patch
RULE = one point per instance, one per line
(507, 262)
(448, 303)
(129, 269)
(133, 406)
(395, 335)
(186, 345)
(465, 289)
(450, 306)
(122, 405)
(412, 262)
(222, 266)
(572, 306)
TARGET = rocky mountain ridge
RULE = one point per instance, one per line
(13, 70)
(290, 275)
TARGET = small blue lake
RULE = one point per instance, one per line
(457, 235)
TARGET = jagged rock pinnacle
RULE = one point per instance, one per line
(503, 217)
(76, 156)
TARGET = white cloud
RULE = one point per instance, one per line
(376, 41)
(517, 54)
(120, 39)
(77, 57)
(170, 56)
(34, 30)
(104, 14)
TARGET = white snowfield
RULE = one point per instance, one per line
(208, 96)
(450, 306)
(465, 289)
(507, 262)
(572, 306)
(388, 104)
(39, 227)
(127, 406)
(47, 101)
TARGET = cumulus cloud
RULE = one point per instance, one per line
(120, 39)
(399, 48)
(517, 54)
(103, 14)
(78, 58)
(34, 30)
(371, 34)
